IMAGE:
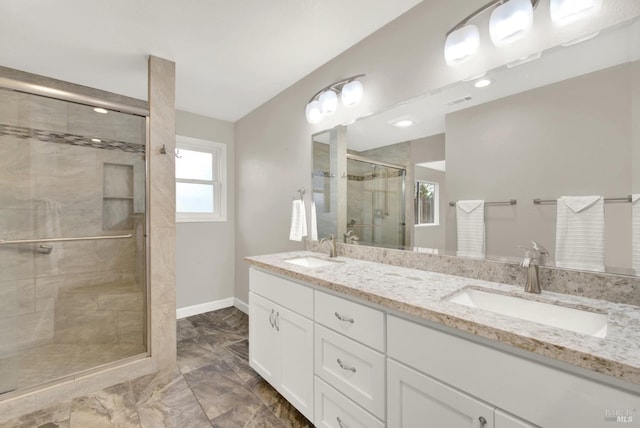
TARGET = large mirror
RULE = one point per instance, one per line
(562, 123)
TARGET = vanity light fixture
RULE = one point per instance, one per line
(567, 11)
(325, 101)
(510, 20)
(101, 110)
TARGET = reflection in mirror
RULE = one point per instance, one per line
(564, 122)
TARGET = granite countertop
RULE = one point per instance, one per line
(422, 294)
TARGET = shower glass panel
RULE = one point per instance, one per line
(72, 238)
(375, 203)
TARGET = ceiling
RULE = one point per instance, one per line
(231, 56)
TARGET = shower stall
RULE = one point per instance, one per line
(375, 201)
(73, 233)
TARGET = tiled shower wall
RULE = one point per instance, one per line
(83, 291)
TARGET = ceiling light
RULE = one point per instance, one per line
(567, 11)
(482, 83)
(325, 101)
(461, 44)
(328, 102)
(313, 112)
(404, 123)
(96, 140)
(510, 21)
(352, 93)
(101, 110)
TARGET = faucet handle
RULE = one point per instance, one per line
(539, 248)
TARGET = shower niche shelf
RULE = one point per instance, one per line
(117, 199)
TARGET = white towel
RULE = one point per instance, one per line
(470, 228)
(314, 222)
(635, 232)
(298, 221)
(580, 233)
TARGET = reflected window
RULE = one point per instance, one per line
(426, 203)
(200, 180)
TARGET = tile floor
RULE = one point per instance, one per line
(213, 386)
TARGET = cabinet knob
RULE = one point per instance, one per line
(344, 318)
(483, 422)
(345, 367)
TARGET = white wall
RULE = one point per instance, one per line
(205, 251)
(401, 60)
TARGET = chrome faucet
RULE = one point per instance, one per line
(332, 243)
(350, 237)
(532, 258)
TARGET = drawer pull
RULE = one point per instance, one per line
(277, 321)
(483, 422)
(271, 318)
(343, 318)
(340, 424)
(345, 367)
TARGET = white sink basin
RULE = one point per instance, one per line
(310, 262)
(580, 321)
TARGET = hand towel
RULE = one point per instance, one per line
(314, 222)
(298, 221)
(635, 232)
(470, 228)
(580, 233)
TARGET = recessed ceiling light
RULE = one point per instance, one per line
(96, 140)
(101, 110)
(404, 123)
(482, 83)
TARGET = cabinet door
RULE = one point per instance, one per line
(506, 420)
(296, 378)
(264, 340)
(418, 401)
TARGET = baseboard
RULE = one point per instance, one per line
(241, 305)
(205, 307)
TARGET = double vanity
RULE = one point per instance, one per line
(353, 343)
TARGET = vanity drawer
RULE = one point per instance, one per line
(354, 320)
(352, 368)
(289, 294)
(334, 410)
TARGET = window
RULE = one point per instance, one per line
(200, 180)
(427, 203)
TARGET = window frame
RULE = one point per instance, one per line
(436, 203)
(218, 153)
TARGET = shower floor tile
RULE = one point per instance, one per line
(213, 386)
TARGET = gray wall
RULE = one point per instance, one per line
(205, 251)
(549, 142)
(401, 60)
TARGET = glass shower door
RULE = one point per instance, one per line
(375, 202)
(72, 238)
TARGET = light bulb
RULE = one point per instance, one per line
(352, 93)
(313, 112)
(461, 44)
(510, 21)
(567, 11)
(328, 102)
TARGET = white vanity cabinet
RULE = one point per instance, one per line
(281, 337)
(417, 400)
(349, 356)
(536, 393)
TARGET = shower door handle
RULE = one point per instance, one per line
(79, 238)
